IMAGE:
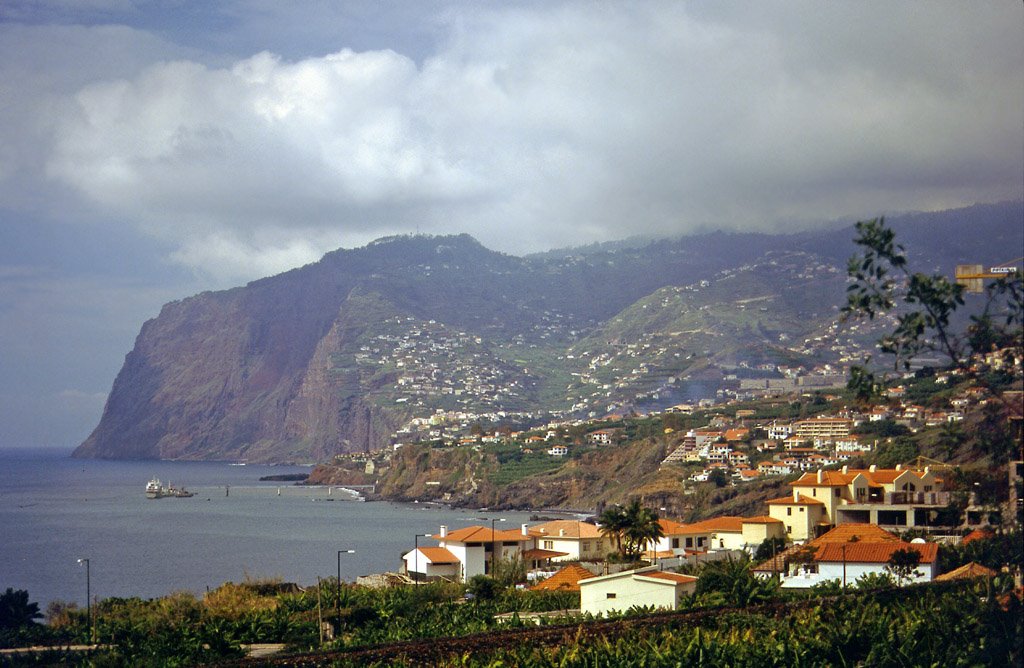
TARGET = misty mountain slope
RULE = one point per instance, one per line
(337, 355)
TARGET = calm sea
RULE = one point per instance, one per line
(55, 510)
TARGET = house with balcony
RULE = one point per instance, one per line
(822, 429)
(898, 497)
(571, 540)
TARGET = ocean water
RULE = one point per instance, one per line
(55, 510)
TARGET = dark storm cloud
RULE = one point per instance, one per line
(236, 139)
(549, 124)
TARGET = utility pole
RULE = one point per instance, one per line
(493, 520)
(319, 611)
(88, 598)
(337, 602)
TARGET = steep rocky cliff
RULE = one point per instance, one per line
(333, 357)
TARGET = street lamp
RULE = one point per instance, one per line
(416, 555)
(493, 520)
(88, 596)
(337, 602)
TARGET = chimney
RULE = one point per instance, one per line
(561, 532)
(796, 495)
(927, 469)
(821, 478)
(872, 468)
(899, 467)
(525, 529)
(444, 531)
(846, 469)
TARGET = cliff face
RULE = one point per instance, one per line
(270, 372)
(335, 356)
(212, 376)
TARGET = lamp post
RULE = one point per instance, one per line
(337, 602)
(88, 596)
(493, 520)
(416, 555)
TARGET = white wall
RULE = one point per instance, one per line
(627, 592)
(834, 571)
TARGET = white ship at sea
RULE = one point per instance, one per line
(155, 490)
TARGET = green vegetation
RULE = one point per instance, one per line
(514, 464)
(916, 627)
(633, 528)
(883, 281)
(734, 618)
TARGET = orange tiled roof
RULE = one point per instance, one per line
(967, 572)
(566, 579)
(727, 523)
(478, 534)
(670, 527)
(572, 529)
(840, 479)
(438, 555)
(864, 533)
(762, 519)
(778, 565)
(828, 479)
(804, 500)
(873, 553)
(538, 553)
(678, 578)
(977, 534)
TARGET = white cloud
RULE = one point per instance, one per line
(566, 124)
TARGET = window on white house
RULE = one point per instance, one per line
(610, 594)
(549, 544)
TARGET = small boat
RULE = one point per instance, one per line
(154, 490)
(179, 492)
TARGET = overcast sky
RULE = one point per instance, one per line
(150, 150)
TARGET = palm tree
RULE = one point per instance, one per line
(614, 523)
(642, 528)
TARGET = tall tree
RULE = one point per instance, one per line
(642, 528)
(903, 564)
(883, 282)
(15, 609)
(613, 522)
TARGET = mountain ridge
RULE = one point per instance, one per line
(326, 358)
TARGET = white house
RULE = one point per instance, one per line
(679, 539)
(476, 548)
(847, 562)
(431, 563)
(642, 587)
(576, 541)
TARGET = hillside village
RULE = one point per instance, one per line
(840, 520)
(737, 438)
